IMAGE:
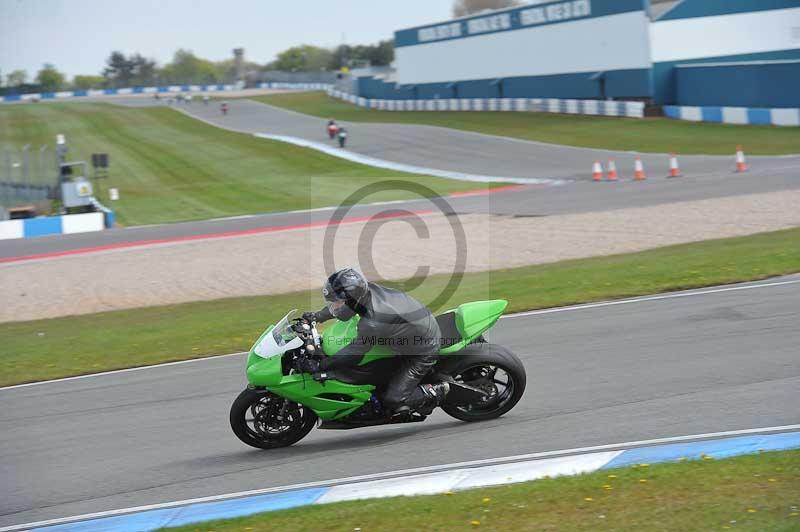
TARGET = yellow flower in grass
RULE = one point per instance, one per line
(642, 480)
(607, 487)
(751, 510)
(487, 499)
(588, 499)
(612, 476)
(475, 523)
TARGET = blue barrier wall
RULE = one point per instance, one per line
(773, 84)
(613, 84)
(665, 73)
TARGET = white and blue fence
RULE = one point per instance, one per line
(169, 89)
(537, 105)
(735, 115)
(117, 92)
(57, 225)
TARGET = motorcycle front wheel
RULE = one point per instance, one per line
(267, 421)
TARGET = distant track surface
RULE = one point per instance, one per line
(667, 366)
(456, 150)
(447, 149)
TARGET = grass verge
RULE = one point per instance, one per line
(660, 135)
(752, 492)
(169, 167)
(61, 347)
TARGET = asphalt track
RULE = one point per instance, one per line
(651, 368)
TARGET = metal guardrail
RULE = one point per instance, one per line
(27, 175)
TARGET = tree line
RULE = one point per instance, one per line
(135, 70)
(185, 68)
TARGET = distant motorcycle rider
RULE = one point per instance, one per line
(393, 319)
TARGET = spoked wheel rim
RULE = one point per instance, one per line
(493, 379)
(274, 418)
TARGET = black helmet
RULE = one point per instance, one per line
(346, 292)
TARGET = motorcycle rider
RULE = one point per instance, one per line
(332, 129)
(391, 318)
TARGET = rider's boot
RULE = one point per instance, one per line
(434, 396)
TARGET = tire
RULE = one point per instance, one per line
(470, 360)
(258, 407)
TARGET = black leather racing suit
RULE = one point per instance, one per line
(399, 322)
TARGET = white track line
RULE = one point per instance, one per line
(508, 316)
(126, 370)
(405, 472)
(647, 298)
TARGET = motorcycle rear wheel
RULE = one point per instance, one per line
(494, 369)
(267, 421)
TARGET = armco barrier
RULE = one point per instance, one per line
(118, 92)
(163, 89)
(541, 105)
(735, 115)
(520, 105)
(424, 481)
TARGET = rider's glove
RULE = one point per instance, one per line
(310, 317)
(307, 365)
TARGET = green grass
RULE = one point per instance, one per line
(170, 167)
(661, 135)
(53, 348)
(759, 492)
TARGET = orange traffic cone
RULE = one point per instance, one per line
(597, 171)
(612, 170)
(674, 169)
(741, 165)
(638, 174)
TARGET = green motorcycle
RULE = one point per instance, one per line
(281, 405)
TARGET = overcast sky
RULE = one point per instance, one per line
(78, 35)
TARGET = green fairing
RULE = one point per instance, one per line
(301, 388)
(472, 319)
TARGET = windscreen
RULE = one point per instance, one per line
(283, 333)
